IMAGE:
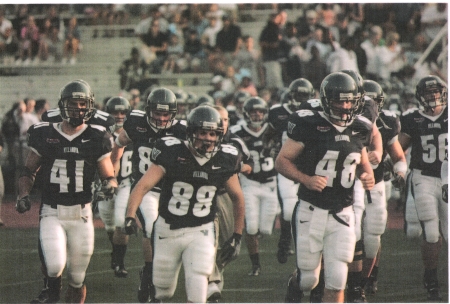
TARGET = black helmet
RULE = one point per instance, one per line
(74, 91)
(204, 99)
(429, 84)
(339, 86)
(374, 90)
(359, 82)
(164, 100)
(206, 118)
(181, 96)
(241, 96)
(300, 90)
(255, 103)
(115, 104)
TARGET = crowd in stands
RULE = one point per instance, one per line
(382, 41)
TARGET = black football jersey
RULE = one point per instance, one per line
(189, 189)
(125, 161)
(68, 163)
(278, 118)
(144, 137)
(329, 151)
(428, 140)
(389, 126)
(98, 118)
(263, 166)
(233, 139)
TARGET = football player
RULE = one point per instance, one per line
(112, 212)
(375, 203)
(300, 90)
(259, 187)
(324, 152)
(142, 129)
(426, 132)
(68, 154)
(224, 221)
(193, 171)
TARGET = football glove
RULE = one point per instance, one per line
(131, 226)
(109, 187)
(229, 251)
(23, 204)
(445, 193)
(398, 182)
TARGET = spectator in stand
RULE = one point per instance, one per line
(177, 27)
(216, 82)
(9, 44)
(154, 49)
(372, 47)
(294, 54)
(434, 17)
(306, 26)
(53, 15)
(249, 58)
(229, 82)
(343, 58)
(132, 71)
(269, 41)
(315, 69)
(175, 58)
(20, 19)
(228, 39)
(244, 79)
(143, 25)
(211, 31)
(406, 20)
(354, 15)
(193, 48)
(50, 46)
(391, 57)
(72, 41)
(29, 41)
(320, 39)
(197, 20)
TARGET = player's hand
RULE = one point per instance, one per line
(398, 182)
(131, 226)
(445, 192)
(229, 251)
(246, 169)
(23, 204)
(367, 180)
(374, 158)
(109, 187)
(316, 183)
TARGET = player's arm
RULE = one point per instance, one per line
(26, 181)
(376, 146)
(398, 158)
(404, 140)
(234, 190)
(151, 177)
(285, 165)
(365, 172)
(271, 143)
(117, 150)
(108, 180)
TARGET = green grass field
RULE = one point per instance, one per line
(400, 274)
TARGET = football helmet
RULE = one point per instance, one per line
(374, 90)
(255, 103)
(181, 96)
(241, 96)
(359, 82)
(162, 100)
(77, 90)
(336, 88)
(204, 99)
(427, 89)
(116, 104)
(204, 118)
(300, 90)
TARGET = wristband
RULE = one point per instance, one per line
(401, 167)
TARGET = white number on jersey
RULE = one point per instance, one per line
(102, 115)
(59, 175)
(144, 156)
(170, 141)
(430, 151)
(327, 167)
(229, 149)
(182, 192)
(125, 164)
(264, 164)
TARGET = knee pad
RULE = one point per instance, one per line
(76, 279)
(371, 244)
(336, 275)
(106, 212)
(375, 220)
(413, 230)
(431, 231)
(309, 279)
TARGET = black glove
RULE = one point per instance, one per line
(109, 187)
(229, 251)
(23, 204)
(131, 226)
(445, 193)
(398, 182)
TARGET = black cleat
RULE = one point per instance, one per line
(45, 296)
(214, 298)
(356, 295)
(256, 270)
(144, 287)
(283, 253)
(293, 294)
(371, 286)
(120, 271)
(316, 295)
(433, 293)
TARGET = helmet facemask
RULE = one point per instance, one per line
(341, 116)
(75, 115)
(156, 121)
(297, 98)
(204, 147)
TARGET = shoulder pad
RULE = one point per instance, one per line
(277, 105)
(389, 113)
(410, 111)
(235, 128)
(137, 113)
(98, 127)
